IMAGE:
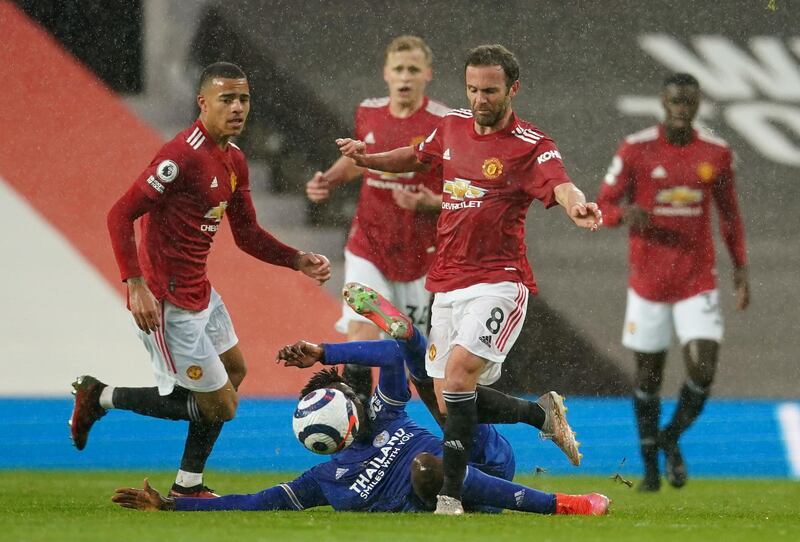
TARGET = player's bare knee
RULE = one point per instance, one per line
(230, 405)
(219, 406)
(237, 374)
(426, 476)
(700, 356)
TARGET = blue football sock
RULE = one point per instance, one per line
(415, 349)
(480, 489)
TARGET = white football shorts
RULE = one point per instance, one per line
(186, 348)
(485, 319)
(649, 324)
(410, 297)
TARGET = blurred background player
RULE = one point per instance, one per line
(391, 241)
(183, 195)
(493, 166)
(660, 184)
(393, 464)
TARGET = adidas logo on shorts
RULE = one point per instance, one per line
(486, 339)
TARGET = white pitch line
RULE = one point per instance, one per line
(789, 419)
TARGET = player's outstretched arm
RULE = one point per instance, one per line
(302, 354)
(584, 214)
(400, 160)
(344, 170)
(146, 499)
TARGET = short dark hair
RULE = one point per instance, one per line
(322, 379)
(681, 79)
(495, 55)
(226, 70)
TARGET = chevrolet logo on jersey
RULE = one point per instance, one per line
(216, 213)
(462, 188)
(388, 176)
(679, 196)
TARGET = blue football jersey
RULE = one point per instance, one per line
(374, 473)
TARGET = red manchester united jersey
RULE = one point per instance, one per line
(673, 257)
(399, 242)
(184, 194)
(489, 183)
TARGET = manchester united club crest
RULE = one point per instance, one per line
(233, 182)
(705, 171)
(432, 352)
(492, 168)
(195, 372)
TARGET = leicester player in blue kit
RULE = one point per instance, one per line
(394, 465)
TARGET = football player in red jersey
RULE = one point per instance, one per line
(493, 165)
(661, 183)
(194, 180)
(391, 240)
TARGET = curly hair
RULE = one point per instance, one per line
(322, 379)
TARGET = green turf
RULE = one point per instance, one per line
(64, 506)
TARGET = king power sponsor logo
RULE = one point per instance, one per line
(754, 89)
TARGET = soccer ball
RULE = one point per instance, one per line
(325, 421)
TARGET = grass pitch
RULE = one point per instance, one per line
(56, 505)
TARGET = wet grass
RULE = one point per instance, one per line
(75, 505)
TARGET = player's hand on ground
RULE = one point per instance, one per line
(635, 217)
(318, 189)
(586, 215)
(301, 354)
(423, 199)
(146, 499)
(742, 286)
(315, 266)
(352, 148)
(144, 305)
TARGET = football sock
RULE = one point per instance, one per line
(106, 398)
(691, 401)
(199, 442)
(417, 345)
(178, 405)
(188, 478)
(459, 429)
(480, 489)
(497, 407)
(647, 409)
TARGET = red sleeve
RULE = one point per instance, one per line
(547, 172)
(133, 204)
(358, 133)
(252, 238)
(430, 150)
(616, 185)
(730, 219)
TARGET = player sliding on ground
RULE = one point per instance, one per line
(389, 439)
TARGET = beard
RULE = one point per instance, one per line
(491, 117)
